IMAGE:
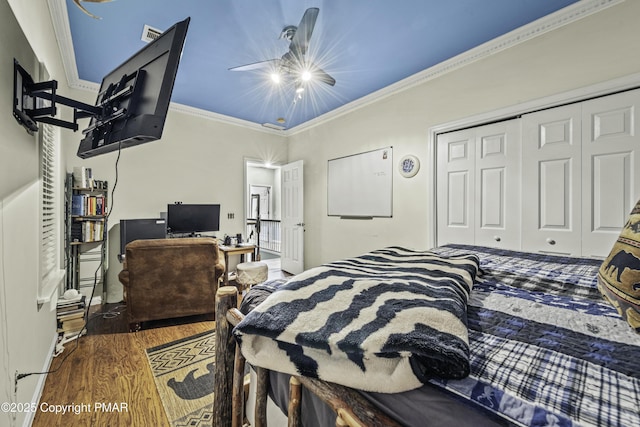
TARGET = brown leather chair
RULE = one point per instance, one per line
(169, 278)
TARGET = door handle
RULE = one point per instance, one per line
(300, 224)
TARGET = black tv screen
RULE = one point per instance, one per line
(192, 218)
(137, 229)
(134, 98)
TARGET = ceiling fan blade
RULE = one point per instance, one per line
(261, 65)
(300, 42)
(324, 77)
(320, 75)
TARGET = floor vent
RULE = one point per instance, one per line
(149, 34)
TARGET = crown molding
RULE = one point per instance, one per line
(199, 112)
(565, 16)
(522, 34)
(60, 21)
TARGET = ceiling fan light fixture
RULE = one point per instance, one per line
(294, 63)
(305, 75)
(275, 77)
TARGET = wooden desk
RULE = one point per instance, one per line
(235, 250)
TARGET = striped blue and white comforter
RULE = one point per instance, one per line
(546, 349)
(386, 321)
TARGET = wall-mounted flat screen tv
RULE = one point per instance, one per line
(136, 96)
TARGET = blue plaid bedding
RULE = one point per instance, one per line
(546, 348)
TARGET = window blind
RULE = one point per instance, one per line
(49, 205)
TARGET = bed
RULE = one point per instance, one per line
(540, 345)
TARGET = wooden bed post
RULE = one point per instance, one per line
(262, 386)
(295, 398)
(226, 298)
(238, 389)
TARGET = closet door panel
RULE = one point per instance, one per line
(610, 193)
(455, 181)
(554, 194)
(610, 172)
(498, 185)
(551, 171)
(492, 200)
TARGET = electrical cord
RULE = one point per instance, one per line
(95, 283)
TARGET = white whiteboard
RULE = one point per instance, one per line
(361, 185)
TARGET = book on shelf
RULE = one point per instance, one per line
(65, 306)
(76, 232)
(79, 301)
(70, 314)
(77, 202)
(100, 205)
(93, 231)
(69, 309)
(73, 325)
(75, 314)
(87, 231)
(82, 177)
(88, 205)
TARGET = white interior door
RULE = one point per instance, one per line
(497, 192)
(610, 174)
(455, 181)
(479, 184)
(292, 222)
(551, 167)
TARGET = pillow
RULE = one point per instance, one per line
(619, 274)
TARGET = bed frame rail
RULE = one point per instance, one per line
(351, 408)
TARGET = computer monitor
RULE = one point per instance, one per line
(134, 98)
(136, 229)
(193, 218)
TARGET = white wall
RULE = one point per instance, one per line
(27, 331)
(594, 49)
(197, 160)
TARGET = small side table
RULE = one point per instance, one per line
(235, 250)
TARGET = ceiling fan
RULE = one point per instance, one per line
(294, 63)
(77, 2)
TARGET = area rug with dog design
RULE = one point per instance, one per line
(183, 373)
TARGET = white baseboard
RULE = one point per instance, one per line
(37, 393)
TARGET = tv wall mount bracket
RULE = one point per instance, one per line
(35, 103)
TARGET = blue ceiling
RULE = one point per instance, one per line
(366, 45)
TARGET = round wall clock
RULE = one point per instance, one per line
(409, 166)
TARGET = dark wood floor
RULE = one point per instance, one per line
(109, 365)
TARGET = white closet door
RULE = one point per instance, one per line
(455, 183)
(551, 173)
(497, 192)
(478, 186)
(610, 168)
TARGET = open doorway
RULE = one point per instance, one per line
(262, 212)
